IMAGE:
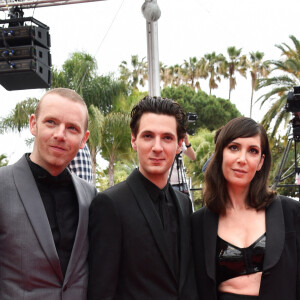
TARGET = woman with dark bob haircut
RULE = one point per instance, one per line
(246, 238)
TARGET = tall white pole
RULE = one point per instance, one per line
(151, 13)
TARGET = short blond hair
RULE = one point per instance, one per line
(68, 94)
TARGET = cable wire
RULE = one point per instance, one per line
(103, 39)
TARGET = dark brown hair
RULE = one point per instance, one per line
(162, 106)
(68, 94)
(215, 193)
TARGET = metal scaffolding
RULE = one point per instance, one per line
(7, 4)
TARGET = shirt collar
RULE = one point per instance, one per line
(153, 190)
(42, 175)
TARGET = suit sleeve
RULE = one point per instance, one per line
(204, 286)
(298, 252)
(105, 248)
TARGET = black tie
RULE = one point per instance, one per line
(163, 209)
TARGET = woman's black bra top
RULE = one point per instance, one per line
(233, 261)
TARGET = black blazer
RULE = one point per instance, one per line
(281, 268)
(128, 254)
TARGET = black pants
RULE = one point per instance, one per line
(228, 296)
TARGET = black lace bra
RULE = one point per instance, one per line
(233, 261)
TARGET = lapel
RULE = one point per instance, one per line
(184, 231)
(210, 229)
(275, 232)
(82, 227)
(145, 204)
(36, 213)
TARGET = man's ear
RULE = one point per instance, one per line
(32, 124)
(133, 142)
(85, 138)
(179, 146)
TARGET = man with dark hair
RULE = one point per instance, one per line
(44, 208)
(140, 247)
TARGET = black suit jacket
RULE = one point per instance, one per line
(281, 268)
(128, 254)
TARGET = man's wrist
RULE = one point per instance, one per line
(189, 145)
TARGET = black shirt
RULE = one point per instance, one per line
(61, 205)
(167, 212)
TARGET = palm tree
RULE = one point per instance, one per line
(165, 75)
(175, 74)
(214, 67)
(101, 93)
(286, 75)
(137, 74)
(236, 63)
(79, 73)
(115, 140)
(96, 121)
(258, 68)
(18, 119)
(76, 72)
(191, 73)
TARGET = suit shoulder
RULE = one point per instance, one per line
(198, 214)
(182, 197)
(116, 190)
(115, 193)
(288, 203)
(291, 208)
(5, 170)
(185, 202)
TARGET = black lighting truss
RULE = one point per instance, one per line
(7, 4)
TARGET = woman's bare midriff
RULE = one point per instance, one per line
(243, 285)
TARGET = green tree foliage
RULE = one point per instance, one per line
(103, 95)
(211, 66)
(236, 63)
(134, 74)
(212, 112)
(18, 119)
(258, 68)
(123, 169)
(191, 73)
(96, 123)
(115, 140)
(215, 67)
(3, 160)
(79, 73)
(286, 75)
(203, 145)
(126, 104)
(170, 75)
